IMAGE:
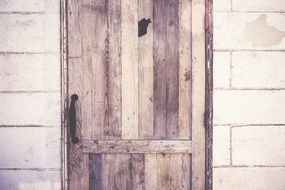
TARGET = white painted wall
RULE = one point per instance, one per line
(30, 95)
(249, 95)
(249, 103)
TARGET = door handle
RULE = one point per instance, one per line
(72, 119)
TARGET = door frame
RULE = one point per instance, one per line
(208, 91)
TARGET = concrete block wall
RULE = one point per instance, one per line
(30, 95)
(249, 91)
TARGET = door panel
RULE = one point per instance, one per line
(139, 171)
(138, 96)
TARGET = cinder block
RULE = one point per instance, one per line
(221, 145)
(260, 145)
(249, 178)
(30, 109)
(29, 72)
(260, 5)
(222, 69)
(249, 31)
(29, 32)
(258, 69)
(249, 107)
(30, 5)
(222, 5)
(30, 147)
(29, 180)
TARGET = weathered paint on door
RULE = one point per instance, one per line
(140, 112)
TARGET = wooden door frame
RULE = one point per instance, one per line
(208, 92)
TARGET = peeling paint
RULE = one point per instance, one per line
(260, 34)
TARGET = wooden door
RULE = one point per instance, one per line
(138, 69)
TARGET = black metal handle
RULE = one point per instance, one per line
(72, 119)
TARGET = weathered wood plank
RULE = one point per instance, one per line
(95, 172)
(129, 69)
(180, 171)
(163, 174)
(86, 80)
(137, 146)
(114, 70)
(117, 172)
(172, 70)
(198, 95)
(185, 77)
(73, 33)
(150, 171)
(160, 68)
(78, 172)
(166, 63)
(97, 65)
(146, 72)
(138, 171)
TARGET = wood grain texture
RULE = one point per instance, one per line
(138, 171)
(77, 168)
(185, 76)
(159, 61)
(129, 69)
(141, 99)
(96, 69)
(163, 174)
(117, 173)
(136, 146)
(172, 78)
(114, 70)
(145, 63)
(150, 171)
(198, 95)
(73, 33)
(180, 171)
(95, 172)
(166, 63)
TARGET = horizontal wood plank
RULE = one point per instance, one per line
(137, 146)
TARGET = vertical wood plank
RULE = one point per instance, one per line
(73, 33)
(77, 161)
(117, 173)
(138, 172)
(166, 64)
(185, 77)
(78, 170)
(114, 70)
(172, 78)
(95, 172)
(163, 174)
(160, 67)
(198, 95)
(150, 171)
(98, 68)
(129, 69)
(86, 82)
(146, 72)
(180, 171)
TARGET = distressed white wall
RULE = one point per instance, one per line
(249, 95)
(29, 95)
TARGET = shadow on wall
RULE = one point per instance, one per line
(29, 180)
